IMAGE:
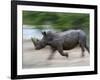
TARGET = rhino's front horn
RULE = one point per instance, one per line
(34, 41)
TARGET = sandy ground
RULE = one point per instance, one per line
(39, 58)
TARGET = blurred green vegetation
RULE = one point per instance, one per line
(56, 20)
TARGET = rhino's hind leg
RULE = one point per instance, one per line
(87, 48)
(83, 49)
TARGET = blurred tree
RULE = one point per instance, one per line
(57, 20)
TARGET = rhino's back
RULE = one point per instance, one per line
(70, 39)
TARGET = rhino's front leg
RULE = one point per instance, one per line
(60, 50)
(52, 53)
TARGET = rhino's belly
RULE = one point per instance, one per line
(70, 45)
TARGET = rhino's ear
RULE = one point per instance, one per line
(44, 33)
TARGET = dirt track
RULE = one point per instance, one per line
(38, 58)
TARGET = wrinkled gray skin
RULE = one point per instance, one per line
(63, 41)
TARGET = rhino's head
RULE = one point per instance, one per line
(46, 39)
(39, 44)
